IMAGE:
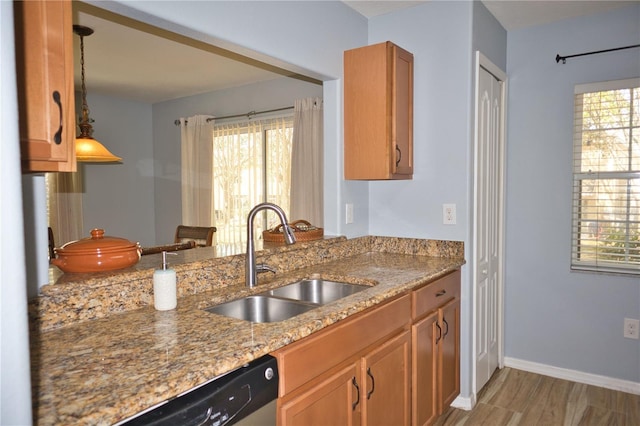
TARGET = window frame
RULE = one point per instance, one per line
(600, 264)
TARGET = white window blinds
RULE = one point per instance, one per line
(606, 177)
(251, 164)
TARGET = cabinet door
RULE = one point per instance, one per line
(449, 369)
(378, 113)
(44, 63)
(335, 399)
(424, 359)
(402, 112)
(386, 373)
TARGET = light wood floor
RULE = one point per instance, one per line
(515, 397)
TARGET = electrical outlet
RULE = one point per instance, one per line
(449, 214)
(631, 327)
(348, 213)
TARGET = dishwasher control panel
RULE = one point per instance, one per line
(221, 402)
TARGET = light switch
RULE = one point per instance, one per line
(348, 213)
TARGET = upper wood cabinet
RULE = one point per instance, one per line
(44, 71)
(378, 113)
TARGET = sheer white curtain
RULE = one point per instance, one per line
(197, 175)
(64, 206)
(307, 162)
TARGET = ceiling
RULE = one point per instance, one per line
(512, 14)
(125, 58)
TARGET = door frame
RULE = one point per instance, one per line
(482, 61)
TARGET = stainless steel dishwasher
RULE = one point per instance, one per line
(246, 396)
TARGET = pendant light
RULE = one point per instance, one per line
(88, 150)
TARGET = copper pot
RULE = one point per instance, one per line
(96, 254)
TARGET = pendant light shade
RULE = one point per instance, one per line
(88, 150)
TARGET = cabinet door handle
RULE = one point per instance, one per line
(355, 384)
(441, 293)
(57, 138)
(373, 383)
(399, 155)
(439, 333)
(444, 320)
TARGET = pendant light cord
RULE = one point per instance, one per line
(85, 107)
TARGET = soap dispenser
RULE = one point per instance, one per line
(164, 286)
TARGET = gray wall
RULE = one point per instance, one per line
(553, 316)
(119, 197)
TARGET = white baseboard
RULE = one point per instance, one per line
(574, 376)
(464, 403)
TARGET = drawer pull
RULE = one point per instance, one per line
(441, 293)
(373, 383)
(439, 333)
(399, 155)
(355, 384)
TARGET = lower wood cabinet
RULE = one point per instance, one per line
(386, 383)
(394, 364)
(435, 343)
(331, 400)
(449, 354)
(424, 357)
(373, 390)
(356, 372)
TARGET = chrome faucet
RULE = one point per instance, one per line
(251, 269)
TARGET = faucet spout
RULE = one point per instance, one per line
(251, 272)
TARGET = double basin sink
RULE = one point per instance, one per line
(286, 302)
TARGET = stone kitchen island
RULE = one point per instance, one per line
(101, 353)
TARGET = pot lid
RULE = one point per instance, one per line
(97, 243)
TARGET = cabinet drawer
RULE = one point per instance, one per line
(435, 294)
(301, 361)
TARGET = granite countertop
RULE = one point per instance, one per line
(104, 370)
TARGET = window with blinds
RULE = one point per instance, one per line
(606, 177)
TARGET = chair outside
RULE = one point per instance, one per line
(202, 235)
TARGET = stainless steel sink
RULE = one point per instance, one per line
(261, 308)
(286, 302)
(316, 291)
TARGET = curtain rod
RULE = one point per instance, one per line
(248, 114)
(564, 58)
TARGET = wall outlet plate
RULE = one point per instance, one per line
(449, 214)
(631, 327)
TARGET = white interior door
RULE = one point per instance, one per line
(488, 222)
